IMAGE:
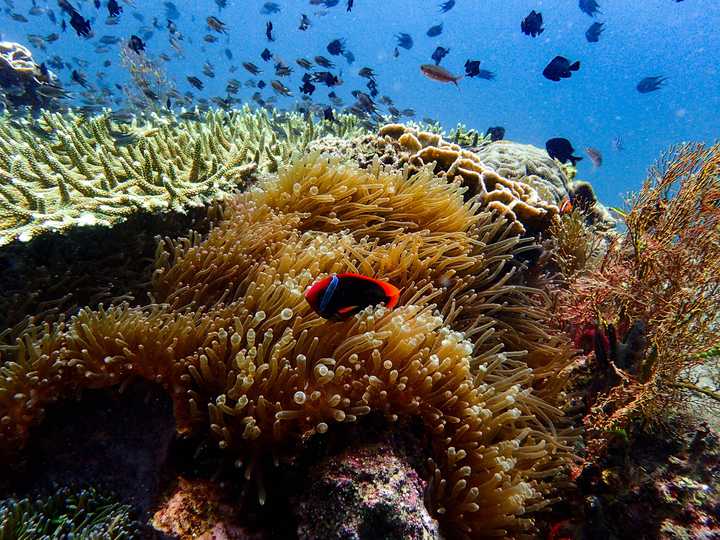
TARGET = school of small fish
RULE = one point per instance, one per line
(271, 76)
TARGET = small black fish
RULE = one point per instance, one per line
(472, 68)
(404, 40)
(269, 8)
(251, 68)
(304, 63)
(372, 86)
(486, 74)
(97, 4)
(268, 31)
(447, 6)
(171, 11)
(592, 34)
(496, 133)
(327, 78)
(560, 68)
(81, 25)
(266, 55)
(532, 24)
(136, 44)
(561, 149)
(336, 47)
(197, 83)
(396, 53)
(324, 62)
(304, 23)
(79, 78)
(308, 87)
(350, 4)
(435, 31)
(228, 54)
(367, 73)
(650, 84)
(591, 7)
(261, 84)
(438, 54)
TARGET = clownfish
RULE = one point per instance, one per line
(340, 296)
(566, 206)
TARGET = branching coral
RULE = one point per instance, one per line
(662, 274)
(247, 360)
(82, 514)
(83, 171)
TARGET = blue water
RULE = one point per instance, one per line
(641, 38)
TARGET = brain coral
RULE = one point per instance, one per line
(67, 170)
(527, 164)
(246, 360)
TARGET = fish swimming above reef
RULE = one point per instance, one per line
(216, 24)
(438, 54)
(560, 68)
(592, 34)
(136, 44)
(341, 296)
(440, 74)
(435, 31)
(404, 40)
(336, 47)
(268, 31)
(447, 6)
(532, 24)
(304, 22)
(496, 133)
(650, 84)
(561, 149)
(114, 9)
(472, 68)
(595, 156)
(591, 7)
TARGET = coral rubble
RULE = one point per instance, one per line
(68, 170)
(469, 351)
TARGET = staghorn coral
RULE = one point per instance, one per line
(245, 358)
(77, 173)
(81, 514)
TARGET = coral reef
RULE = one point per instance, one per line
(82, 514)
(527, 164)
(649, 307)
(23, 82)
(245, 359)
(399, 146)
(71, 170)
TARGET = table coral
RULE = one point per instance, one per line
(69, 170)
(246, 360)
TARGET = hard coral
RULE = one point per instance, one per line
(519, 202)
(69, 170)
(247, 360)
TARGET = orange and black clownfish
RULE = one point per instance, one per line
(340, 296)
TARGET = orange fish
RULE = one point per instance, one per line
(340, 296)
(566, 206)
(437, 73)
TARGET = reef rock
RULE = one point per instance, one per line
(23, 81)
(370, 492)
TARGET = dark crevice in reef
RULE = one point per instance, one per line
(58, 273)
(115, 442)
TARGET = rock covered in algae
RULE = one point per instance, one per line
(67, 170)
(370, 492)
(23, 81)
